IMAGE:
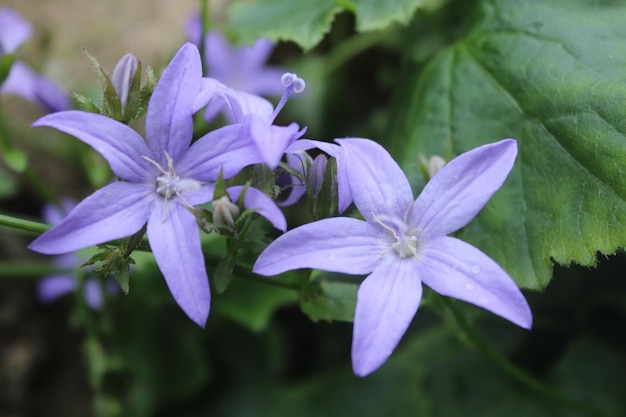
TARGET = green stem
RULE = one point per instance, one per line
(21, 224)
(350, 48)
(30, 270)
(471, 336)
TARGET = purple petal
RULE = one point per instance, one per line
(92, 291)
(343, 245)
(113, 212)
(52, 287)
(296, 188)
(229, 149)
(169, 123)
(26, 83)
(376, 182)
(344, 196)
(240, 104)
(457, 269)
(254, 57)
(14, 30)
(194, 29)
(455, 195)
(175, 242)
(257, 200)
(218, 56)
(121, 146)
(386, 303)
(272, 141)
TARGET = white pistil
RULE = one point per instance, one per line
(405, 244)
(169, 184)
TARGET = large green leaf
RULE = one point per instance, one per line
(306, 21)
(552, 75)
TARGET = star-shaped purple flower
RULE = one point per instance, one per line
(162, 177)
(22, 80)
(403, 243)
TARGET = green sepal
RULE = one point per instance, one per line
(113, 261)
(86, 104)
(327, 298)
(220, 187)
(224, 272)
(6, 62)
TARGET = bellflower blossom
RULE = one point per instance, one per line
(51, 287)
(162, 177)
(403, 243)
(22, 80)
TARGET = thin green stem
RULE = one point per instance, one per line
(470, 335)
(21, 224)
(350, 48)
(30, 270)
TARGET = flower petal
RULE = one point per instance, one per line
(344, 245)
(53, 287)
(175, 242)
(14, 30)
(295, 188)
(455, 195)
(387, 301)
(272, 141)
(257, 200)
(113, 212)
(457, 269)
(121, 146)
(228, 149)
(169, 123)
(376, 182)
(29, 85)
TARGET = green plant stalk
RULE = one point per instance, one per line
(22, 224)
(29, 269)
(469, 335)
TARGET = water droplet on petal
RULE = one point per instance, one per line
(469, 287)
(187, 65)
(332, 257)
(475, 269)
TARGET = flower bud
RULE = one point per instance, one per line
(435, 163)
(225, 213)
(122, 77)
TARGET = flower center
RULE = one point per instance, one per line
(169, 184)
(405, 243)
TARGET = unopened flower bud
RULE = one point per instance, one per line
(317, 172)
(225, 213)
(122, 77)
(435, 163)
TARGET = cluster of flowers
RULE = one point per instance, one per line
(399, 244)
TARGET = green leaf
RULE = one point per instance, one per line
(376, 14)
(305, 22)
(325, 298)
(252, 304)
(553, 76)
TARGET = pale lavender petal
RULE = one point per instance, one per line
(387, 301)
(457, 269)
(266, 82)
(343, 245)
(272, 141)
(202, 195)
(254, 56)
(14, 30)
(92, 291)
(194, 29)
(121, 146)
(296, 188)
(169, 123)
(53, 214)
(122, 77)
(175, 242)
(218, 56)
(229, 149)
(376, 182)
(344, 195)
(26, 83)
(455, 195)
(113, 212)
(52, 287)
(257, 200)
(240, 104)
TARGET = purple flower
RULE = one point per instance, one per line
(258, 114)
(51, 287)
(162, 177)
(122, 77)
(22, 80)
(403, 243)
